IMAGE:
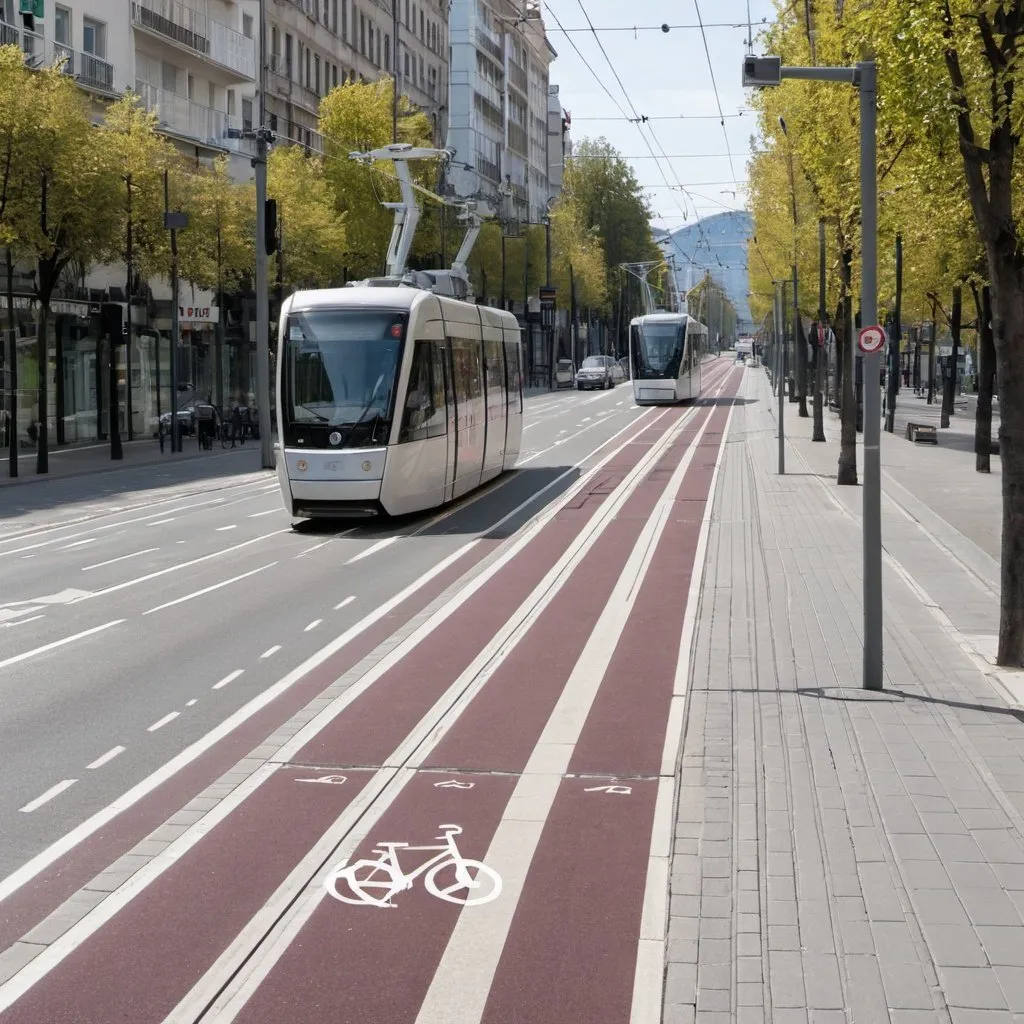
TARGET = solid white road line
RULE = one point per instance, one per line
(229, 678)
(120, 558)
(265, 512)
(270, 651)
(372, 550)
(208, 590)
(53, 791)
(58, 643)
(342, 604)
(108, 756)
(649, 979)
(160, 723)
(462, 981)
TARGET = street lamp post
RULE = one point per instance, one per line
(761, 72)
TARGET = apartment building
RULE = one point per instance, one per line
(500, 124)
(315, 45)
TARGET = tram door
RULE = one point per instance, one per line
(442, 372)
(470, 413)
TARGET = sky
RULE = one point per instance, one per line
(665, 77)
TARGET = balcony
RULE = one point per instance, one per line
(181, 117)
(88, 70)
(191, 30)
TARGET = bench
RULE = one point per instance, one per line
(922, 433)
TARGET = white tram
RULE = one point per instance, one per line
(666, 353)
(393, 399)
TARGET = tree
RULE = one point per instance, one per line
(312, 229)
(16, 136)
(218, 249)
(357, 117)
(138, 156)
(68, 203)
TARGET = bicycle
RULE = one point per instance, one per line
(467, 875)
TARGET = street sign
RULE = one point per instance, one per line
(871, 339)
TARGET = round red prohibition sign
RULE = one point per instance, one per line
(871, 339)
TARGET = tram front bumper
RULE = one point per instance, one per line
(334, 483)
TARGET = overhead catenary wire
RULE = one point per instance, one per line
(714, 86)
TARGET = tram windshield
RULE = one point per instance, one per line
(340, 373)
(658, 350)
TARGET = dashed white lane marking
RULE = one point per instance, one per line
(160, 522)
(189, 703)
(58, 643)
(372, 549)
(233, 526)
(312, 625)
(270, 651)
(160, 723)
(23, 557)
(229, 678)
(120, 558)
(108, 756)
(207, 590)
(341, 604)
(53, 791)
(79, 543)
(266, 512)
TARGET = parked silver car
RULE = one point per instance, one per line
(599, 372)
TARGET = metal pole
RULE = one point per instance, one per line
(12, 325)
(262, 288)
(872, 508)
(819, 345)
(175, 328)
(394, 74)
(781, 378)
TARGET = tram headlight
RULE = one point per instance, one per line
(367, 465)
(302, 465)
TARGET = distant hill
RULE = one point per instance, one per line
(718, 245)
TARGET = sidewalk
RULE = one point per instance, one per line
(842, 856)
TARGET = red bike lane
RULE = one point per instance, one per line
(33, 901)
(585, 931)
(92, 984)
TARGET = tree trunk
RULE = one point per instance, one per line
(42, 358)
(986, 377)
(12, 325)
(1008, 330)
(949, 383)
(847, 474)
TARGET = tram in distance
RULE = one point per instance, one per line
(666, 356)
(393, 399)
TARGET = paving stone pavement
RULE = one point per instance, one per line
(839, 856)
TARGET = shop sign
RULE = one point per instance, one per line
(199, 314)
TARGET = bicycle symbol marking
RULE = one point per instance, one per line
(452, 784)
(328, 780)
(448, 875)
(626, 790)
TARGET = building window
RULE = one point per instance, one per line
(168, 76)
(211, 95)
(288, 54)
(273, 122)
(378, 47)
(190, 86)
(406, 63)
(413, 26)
(387, 52)
(334, 14)
(421, 24)
(247, 26)
(344, 20)
(94, 38)
(334, 76)
(275, 44)
(231, 102)
(362, 34)
(316, 79)
(247, 115)
(309, 69)
(406, 13)
(62, 26)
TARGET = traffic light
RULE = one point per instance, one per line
(270, 227)
(112, 322)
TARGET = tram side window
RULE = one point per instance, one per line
(513, 382)
(467, 372)
(494, 360)
(424, 414)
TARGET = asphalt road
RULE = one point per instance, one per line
(418, 772)
(120, 619)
